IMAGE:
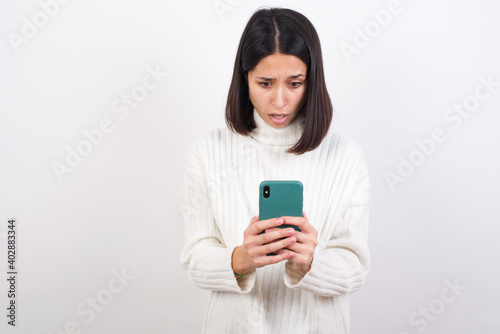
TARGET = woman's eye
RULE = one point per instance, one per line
(295, 84)
(265, 84)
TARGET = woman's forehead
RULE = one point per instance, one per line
(280, 65)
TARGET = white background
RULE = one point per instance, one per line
(117, 210)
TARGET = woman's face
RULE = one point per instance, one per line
(277, 87)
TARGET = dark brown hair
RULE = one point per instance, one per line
(281, 30)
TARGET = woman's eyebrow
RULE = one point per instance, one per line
(266, 79)
(290, 77)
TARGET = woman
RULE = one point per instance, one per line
(278, 115)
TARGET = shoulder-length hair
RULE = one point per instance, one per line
(281, 30)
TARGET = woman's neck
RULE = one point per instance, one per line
(287, 136)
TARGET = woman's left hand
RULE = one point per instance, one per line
(306, 243)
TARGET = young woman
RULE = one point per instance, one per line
(278, 115)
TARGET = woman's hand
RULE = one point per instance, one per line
(306, 243)
(253, 253)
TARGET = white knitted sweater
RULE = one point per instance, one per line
(223, 171)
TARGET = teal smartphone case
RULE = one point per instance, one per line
(280, 198)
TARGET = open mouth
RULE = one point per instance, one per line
(278, 118)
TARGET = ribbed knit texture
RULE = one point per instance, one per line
(223, 171)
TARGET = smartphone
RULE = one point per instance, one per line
(280, 198)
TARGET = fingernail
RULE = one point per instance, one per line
(290, 231)
(292, 240)
(279, 221)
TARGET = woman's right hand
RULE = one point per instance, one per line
(253, 253)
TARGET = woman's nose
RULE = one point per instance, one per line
(279, 99)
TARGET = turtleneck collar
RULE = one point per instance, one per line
(287, 136)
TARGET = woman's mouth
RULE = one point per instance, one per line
(278, 118)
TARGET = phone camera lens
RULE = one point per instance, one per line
(267, 191)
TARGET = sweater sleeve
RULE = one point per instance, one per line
(205, 258)
(341, 263)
